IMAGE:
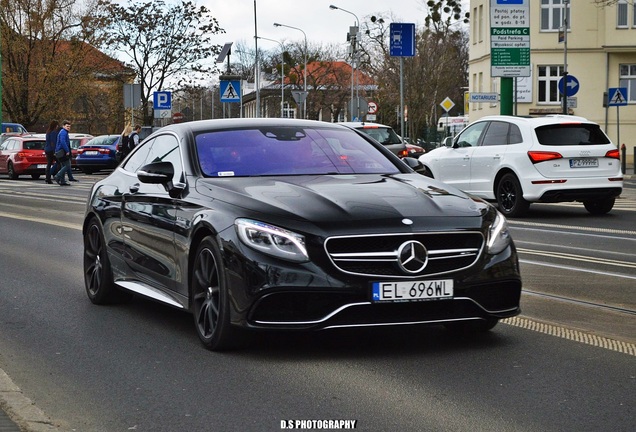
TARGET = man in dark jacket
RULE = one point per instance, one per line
(133, 138)
(63, 144)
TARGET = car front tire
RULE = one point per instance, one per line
(600, 206)
(210, 302)
(510, 197)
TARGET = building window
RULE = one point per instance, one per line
(548, 83)
(621, 14)
(634, 15)
(628, 79)
(552, 14)
(288, 111)
(474, 27)
(481, 23)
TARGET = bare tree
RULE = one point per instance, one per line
(166, 44)
(439, 68)
(48, 65)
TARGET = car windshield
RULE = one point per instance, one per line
(33, 145)
(571, 134)
(285, 150)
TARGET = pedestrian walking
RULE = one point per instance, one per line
(133, 138)
(63, 153)
(124, 141)
(49, 148)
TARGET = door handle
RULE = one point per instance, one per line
(134, 188)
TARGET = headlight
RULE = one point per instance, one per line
(498, 235)
(272, 240)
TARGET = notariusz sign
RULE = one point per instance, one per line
(483, 97)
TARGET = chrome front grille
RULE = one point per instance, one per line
(384, 255)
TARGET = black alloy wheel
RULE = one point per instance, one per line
(98, 277)
(510, 197)
(210, 299)
(600, 206)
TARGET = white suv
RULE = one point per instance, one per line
(517, 160)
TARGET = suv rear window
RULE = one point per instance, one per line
(571, 134)
(382, 134)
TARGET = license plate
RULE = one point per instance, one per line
(41, 166)
(412, 291)
(584, 163)
(91, 153)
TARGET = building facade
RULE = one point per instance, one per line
(599, 50)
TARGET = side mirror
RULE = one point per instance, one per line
(413, 163)
(156, 173)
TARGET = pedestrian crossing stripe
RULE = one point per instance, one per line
(617, 96)
(230, 93)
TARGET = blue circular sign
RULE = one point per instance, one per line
(569, 85)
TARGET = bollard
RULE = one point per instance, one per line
(623, 158)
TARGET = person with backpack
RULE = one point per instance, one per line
(133, 138)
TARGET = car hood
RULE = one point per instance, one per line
(339, 199)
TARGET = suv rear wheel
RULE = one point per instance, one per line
(510, 197)
(599, 206)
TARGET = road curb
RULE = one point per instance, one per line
(20, 410)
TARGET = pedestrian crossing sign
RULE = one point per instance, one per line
(617, 96)
(230, 91)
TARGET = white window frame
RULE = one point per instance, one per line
(547, 80)
(288, 110)
(627, 78)
(554, 9)
(622, 14)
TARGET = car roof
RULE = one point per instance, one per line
(364, 124)
(539, 121)
(199, 126)
(25, 137)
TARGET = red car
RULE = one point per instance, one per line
(22, 154)
(76, 139)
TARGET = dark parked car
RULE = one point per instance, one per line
(385, 135)
(293, 225)
(97, 154)
(22, 154)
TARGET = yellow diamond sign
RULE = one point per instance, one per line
(447, 104)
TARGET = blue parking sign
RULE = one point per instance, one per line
(162, 100)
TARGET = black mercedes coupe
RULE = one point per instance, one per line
(294, 225)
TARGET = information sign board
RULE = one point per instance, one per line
(509, 38)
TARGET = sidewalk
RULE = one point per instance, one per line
(16, 408)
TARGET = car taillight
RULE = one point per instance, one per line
(403, 153)
(538, 156)
(614, 154)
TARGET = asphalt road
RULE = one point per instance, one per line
(567, 363)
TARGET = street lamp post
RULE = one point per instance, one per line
(282, 76)
(305, 71)
(354, 42)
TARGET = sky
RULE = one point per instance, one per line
(320, 23)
